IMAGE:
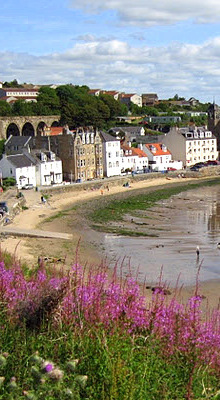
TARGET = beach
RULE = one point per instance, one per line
(83, 245)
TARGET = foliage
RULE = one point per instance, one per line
(7, 182)
(99, 339)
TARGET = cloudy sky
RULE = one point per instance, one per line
(163, 46)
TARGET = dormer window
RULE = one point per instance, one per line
(43, 157)
(130, 152)
(52, 156)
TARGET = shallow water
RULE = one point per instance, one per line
(184, 221)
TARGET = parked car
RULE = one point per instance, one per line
(28, 186)
(212, 162)
(194, 168)
(171, 169)
(3, 206)
(200, 165)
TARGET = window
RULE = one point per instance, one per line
(109, 155)
(110, 165)
(117, 163)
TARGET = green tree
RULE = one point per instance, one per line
(48, 100)
(21, 108)
(5, 109)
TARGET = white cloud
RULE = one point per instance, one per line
(189, 70)
(159, 12)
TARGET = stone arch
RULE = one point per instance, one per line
(28, 129)
(41, 127)
(13, 130)
(55, 124)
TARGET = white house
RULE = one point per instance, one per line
(191, 145)
(48, 167)
(133, 159)
(128, 98)
(158, 155)
(111, 155)
(19, 167)
(36, 167)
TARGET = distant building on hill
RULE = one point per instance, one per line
(11, 95)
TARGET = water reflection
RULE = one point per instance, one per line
(184, 222)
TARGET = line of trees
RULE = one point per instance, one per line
(74, 104)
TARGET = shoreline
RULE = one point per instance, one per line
(28, 249)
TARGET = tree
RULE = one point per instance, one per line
(5, 109)
(48, 101)
(21, 108)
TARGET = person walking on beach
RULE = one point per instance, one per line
(197, 251)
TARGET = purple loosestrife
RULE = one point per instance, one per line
(88, 297)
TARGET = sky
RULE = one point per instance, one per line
(163, 46)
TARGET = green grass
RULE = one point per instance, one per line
(114, 210)
(118, 366)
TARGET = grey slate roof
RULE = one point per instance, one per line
(129, 129)
(108, 138)
(18, 140)
(20, 160)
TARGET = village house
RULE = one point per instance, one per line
(36, 167)
(112, 93)
(111, 155)
(158, 155)
(128, 99)
(129, 133)
(191, 145)
(149, 99)
(133, 159)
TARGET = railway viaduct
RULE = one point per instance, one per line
(26, 126)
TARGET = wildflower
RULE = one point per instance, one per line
(55, 374)
(2, 361)
(81, 380)
(71, 365)
(47, 366)
(12, 385)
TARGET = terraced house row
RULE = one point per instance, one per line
(85, 153)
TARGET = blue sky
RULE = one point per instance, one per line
(134, 46)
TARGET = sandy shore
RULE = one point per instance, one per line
(29, 249)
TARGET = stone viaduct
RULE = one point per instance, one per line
(26, 126)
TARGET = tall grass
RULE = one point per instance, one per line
(82, 335)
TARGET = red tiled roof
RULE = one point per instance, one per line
(139, 152)
(55, 130)
(135, 152)
(158, 147)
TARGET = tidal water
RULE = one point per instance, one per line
(185, 221)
